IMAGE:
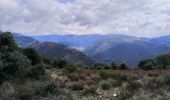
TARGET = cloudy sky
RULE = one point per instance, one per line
(130, 17)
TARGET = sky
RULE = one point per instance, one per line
(130, 17)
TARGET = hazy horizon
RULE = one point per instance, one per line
(140, 18)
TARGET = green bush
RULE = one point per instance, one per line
(24, 92)
(106, 85)
(123, 66)
(71, 68)
(47, 60)
(107, 75)
(147, 64)
(99, 66)
(7, 42)
(37, 71)
(113, 64)
(32, 55)
(13, 65)
(90, 90)
(59, 63)
(163, 60)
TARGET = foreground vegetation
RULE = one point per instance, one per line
(26, 75)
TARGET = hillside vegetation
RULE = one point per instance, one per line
(27, 75)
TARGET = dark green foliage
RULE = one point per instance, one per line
(71, 68)
(106, 85)
(37, 71)
(7, 43)
(147, 64)
(47, 59)
(163, 60)
(14, 65)
(6, 39)
(160, 62)
(32, 55)
(123, 66)
(113, 64)
(59, 63)
(99, 66)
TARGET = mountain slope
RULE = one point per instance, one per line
(108, 42)
(79, 41)
(23, 41)
(59, 50)
(133, 52)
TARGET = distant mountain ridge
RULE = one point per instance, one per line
(121, 48)
(79, 41)
(54, 49)
(23, 41)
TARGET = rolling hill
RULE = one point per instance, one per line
(62, 51)
(132, 53)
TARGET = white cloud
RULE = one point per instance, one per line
(132, 17)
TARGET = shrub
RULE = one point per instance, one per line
(37, 71)
(163, 60)
(14, 65)
(147, 64)
(105, 75)
(123, 66)
(107, 67)
(24, 92)
(99, 66)
(106, 85)
(59, 63)
(32, 55)
(90, 90)
(71, 68)
(7, 41)
(47, 60)
(44, 89)
(113, 64)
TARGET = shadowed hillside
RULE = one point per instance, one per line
(62, 51)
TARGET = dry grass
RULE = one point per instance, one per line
(127, 84)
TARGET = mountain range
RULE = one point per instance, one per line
(54, 49)
(121, 48)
